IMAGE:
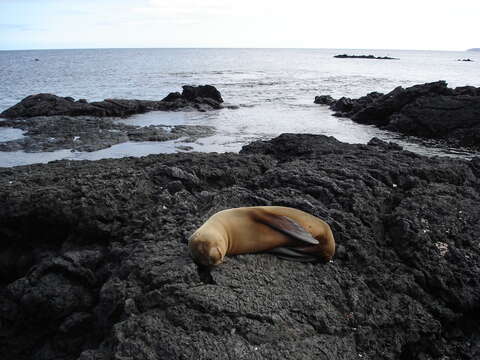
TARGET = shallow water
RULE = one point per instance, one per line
(274, 88)
(7, 134)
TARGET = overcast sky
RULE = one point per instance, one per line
(368, 24)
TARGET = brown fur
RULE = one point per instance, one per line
(256, 229)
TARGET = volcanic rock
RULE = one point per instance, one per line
(430, 110)
(205, 97)
(94, 261)
(87, 133)
(324, 100)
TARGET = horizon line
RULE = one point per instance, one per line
(230, 48)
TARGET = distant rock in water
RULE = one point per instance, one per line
(202, 98)
(324, 100)
(429, 110)
(345, 56)
(474, 49)
(464, 60)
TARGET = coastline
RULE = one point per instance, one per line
(45, 127)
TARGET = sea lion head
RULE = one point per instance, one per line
(205, 248)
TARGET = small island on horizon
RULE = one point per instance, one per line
(474, 49)
(345, 56)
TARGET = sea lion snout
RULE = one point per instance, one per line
(215, 256)
(204, 251)
(207, 256)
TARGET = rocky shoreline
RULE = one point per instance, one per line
(88, 133)
(431, 110)
(94, 262)
(54, 123)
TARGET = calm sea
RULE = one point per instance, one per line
(274, 89)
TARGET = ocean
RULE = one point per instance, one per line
(273, 88)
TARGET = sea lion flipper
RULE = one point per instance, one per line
(292, 255)
(286, 225)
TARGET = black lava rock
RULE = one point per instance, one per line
(204, 97)
(94, 261)
(89, 133)
(324, 100)
(430, 110)
(203, 91)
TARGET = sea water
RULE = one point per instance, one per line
(274, 90)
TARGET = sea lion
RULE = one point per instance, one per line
(277, 229)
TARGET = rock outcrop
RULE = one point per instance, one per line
(429, 110)
(94, 261)
(324, 100)
(202, 98)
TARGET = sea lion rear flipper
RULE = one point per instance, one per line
(292, 255)
(287, 226)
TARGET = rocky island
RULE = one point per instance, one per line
(94, 261)
(345, 56)
(431, 110)
(52, 122)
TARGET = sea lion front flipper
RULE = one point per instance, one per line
(287, 226)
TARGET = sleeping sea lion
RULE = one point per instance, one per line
(277, 229)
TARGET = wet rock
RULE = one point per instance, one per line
(203, 97)
(193, 93)
(86, 133)
(383, 144)
(324, 100)
(430, 110)
(108, 273)
(342, 105)
(184, 147)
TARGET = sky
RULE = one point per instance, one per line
(360, 24)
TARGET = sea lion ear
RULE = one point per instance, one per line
(287, 226)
